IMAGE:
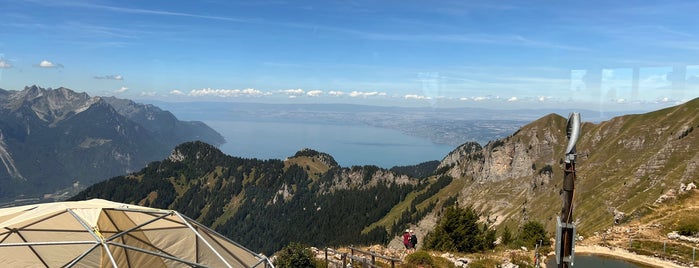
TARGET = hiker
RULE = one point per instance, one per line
(406, 240)
(413, 240)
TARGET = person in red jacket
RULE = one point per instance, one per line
(406, 240)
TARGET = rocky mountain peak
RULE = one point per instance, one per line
(49, 105)
(324, 158)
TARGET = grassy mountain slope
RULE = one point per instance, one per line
(624, 164)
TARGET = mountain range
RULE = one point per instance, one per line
(51, 139)
(624, 166)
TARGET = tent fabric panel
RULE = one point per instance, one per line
(206, 256)
(61, 221)
(19, 257)
(168, 221)
(126, 258)
(55, 236)
(13, 238)
(88, 215)
(90, 260)
(105, 225)
(174, 242)
(116, 221)
(59, 255)
(39, 212)
(233, 254)
(8, 214)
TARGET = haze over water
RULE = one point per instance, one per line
(349, 144)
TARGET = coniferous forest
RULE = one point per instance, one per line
(262, 204)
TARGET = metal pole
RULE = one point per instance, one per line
(565, 231)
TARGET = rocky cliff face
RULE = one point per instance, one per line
(515, 156)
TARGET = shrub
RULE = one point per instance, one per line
(420, 258)
(688, 229)
(458, 231)
(295, 255)
(506, 236)
(532, 232)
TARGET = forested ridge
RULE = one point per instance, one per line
(265, 204)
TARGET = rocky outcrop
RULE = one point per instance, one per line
(512, 157)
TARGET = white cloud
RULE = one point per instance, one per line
(416, 97)
(110, 77)
(4, 64)
(48, 64)
(464, 98)
(292, 92)
(366, 94)
(176, 92)
(336, 93)
(149, 94)
(512, 99)
(314, 93)
(122, 89)
(480, 98)
(248, 92)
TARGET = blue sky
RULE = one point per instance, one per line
(498, 54)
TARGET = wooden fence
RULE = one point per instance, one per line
(357, 256)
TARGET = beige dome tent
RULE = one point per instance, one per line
(100, 233)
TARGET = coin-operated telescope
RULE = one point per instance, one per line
(565, 228)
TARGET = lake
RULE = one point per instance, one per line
(596, 261)
(349, 144)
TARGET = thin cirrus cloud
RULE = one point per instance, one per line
(48, 64)
(109, 77)
(504, 39)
